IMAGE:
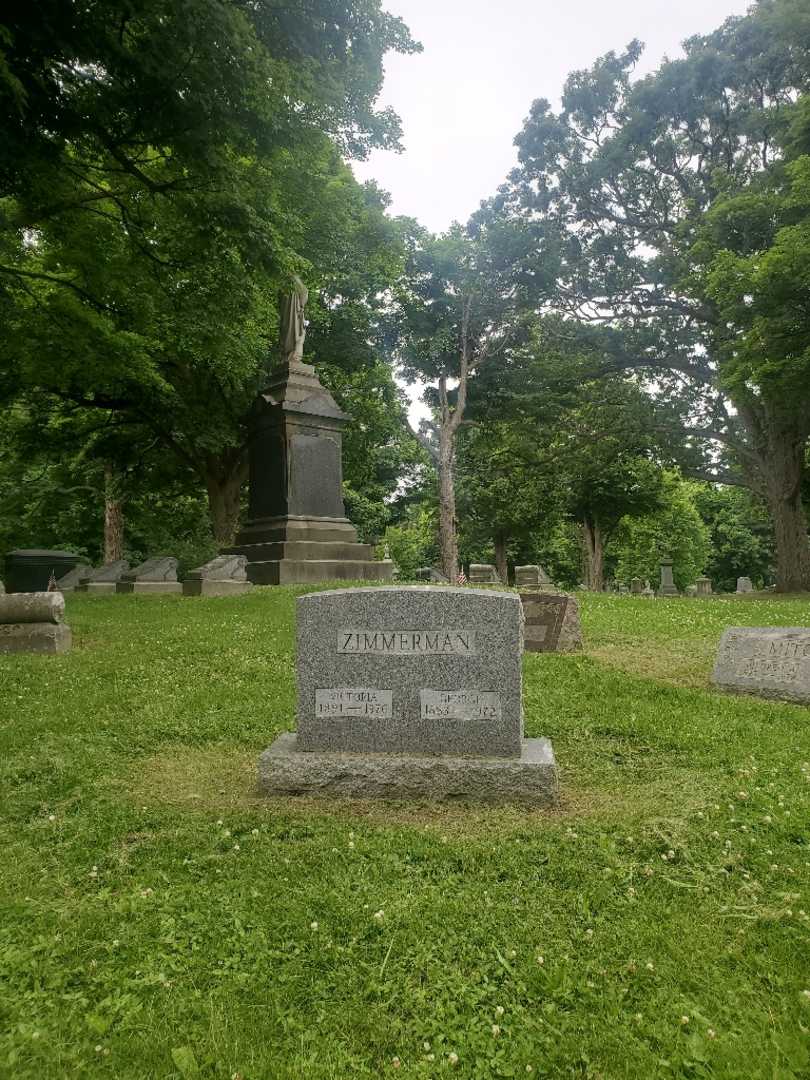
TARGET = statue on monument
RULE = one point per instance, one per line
(292, 327)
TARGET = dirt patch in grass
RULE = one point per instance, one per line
(686, 662)
(221, 779)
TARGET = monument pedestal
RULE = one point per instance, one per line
(297, 530)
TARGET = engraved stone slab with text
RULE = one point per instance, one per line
(771, 661)
(410, 670)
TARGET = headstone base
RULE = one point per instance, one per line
(97, 588)
(35, 638)
(206, 587)
(530, 779)
(149, 587)
(295, 551)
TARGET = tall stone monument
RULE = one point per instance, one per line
(668, 586)
(297, 529)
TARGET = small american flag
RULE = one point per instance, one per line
(462, 578)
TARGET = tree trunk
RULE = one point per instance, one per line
(593, 552)
(448, 544)
(113, 518)
(774, 467)
(501, 564)
(224, 477)
(782, 474)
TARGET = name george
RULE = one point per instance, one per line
(407, 642)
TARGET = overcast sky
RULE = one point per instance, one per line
(463, 99)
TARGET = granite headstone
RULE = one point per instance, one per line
(483, 574)
(104, 578)
(744, 585)
(226, 575)
(157, 575)
(770, 661)
(552, 622)
(410, 692)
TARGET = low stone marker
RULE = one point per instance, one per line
(552, 622)
(32, 622)
(158, 575)
(690, 590)
(636, 586)
(410, 692)
(704, 586)
(744, 585)
(483, 574)
(224, 576)
(69, 581)
(668, 586)
(430, 573)
(104, 579)
(770, 661)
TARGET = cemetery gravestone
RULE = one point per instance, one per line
(691, 590)
(32, 622)
(430, 573)
(552, 622)
(704, 586)
(527, 576)
(668, 587)
(744, 585)
(158, 575)
(636, 586)
(482, 574)
(224, 576)
(770, 661)
(410, 692)
(104, 579)
(69, 581)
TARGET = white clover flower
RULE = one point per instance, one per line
(236, 847)
(684, 1020)
(711, 1033)
(425, 1045)
(430, 1057)
(313, 925)
(638, 1017)
(589, 932)
(650, 966)
(219, 822)
(530, 1068)
(351, 845)
(806, 993)
(99, 1049)
(254, 832)
(51, 817)
(379, 915)
(496, 1030)
(395, 1062)
(541, 960)
(499, 1010)
(452, 1057)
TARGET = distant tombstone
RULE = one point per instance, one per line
(704, 586)
(158, 575)
(224, 576)
(103, 579)
(69, 581)
(482, 574)
(668, 587)
(691, 590)
(408, 692)
(622, 589)
(552, 622)
(636, 586)
(527, 575)
(32, 622)
(430, 574)
(744, 585)
(648, 591)
(770, 661)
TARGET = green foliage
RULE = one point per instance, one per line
(675, 530)
(412, 543)
(740, 536)
(157, 918)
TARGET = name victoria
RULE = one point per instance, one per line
(407, 642)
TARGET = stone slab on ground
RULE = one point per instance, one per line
(69, 581)
(744, 585)
(413, 669)
(552, 622)
(531, 778)
(769, 661)
(35, 637)
(149, 588)
(226, 575)
(103, 578)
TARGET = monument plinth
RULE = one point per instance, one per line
(297, 529)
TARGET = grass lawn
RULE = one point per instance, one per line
(158, 920)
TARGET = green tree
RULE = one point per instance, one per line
(164, 168)
(675, 529)
(740, 536)
(648, 195)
